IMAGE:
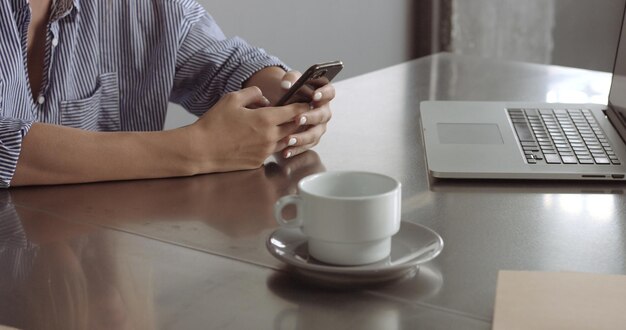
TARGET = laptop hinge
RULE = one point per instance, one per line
(617, 120)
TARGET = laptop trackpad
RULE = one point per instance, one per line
(457, 133)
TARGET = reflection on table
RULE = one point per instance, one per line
(190, 253)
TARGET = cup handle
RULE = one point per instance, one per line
(280, 205)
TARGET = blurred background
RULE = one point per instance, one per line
(368, 35)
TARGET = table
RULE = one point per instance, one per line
(189, 253)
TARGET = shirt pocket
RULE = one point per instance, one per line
(98, 112)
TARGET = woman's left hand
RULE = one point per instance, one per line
(313, 123)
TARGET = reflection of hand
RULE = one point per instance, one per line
(295, 168)
(234, 202)
(313, 122)
(90, 276)
(242, 203)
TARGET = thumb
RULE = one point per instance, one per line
(251, 97)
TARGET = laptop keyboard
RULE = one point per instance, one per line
(561, 136)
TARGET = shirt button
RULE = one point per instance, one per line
(41, 99)
(55, 42)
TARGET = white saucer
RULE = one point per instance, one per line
(411, 246)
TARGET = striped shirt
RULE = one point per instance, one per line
(113, 65)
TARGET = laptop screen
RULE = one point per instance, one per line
(617, 96)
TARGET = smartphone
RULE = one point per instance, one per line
(313, 78)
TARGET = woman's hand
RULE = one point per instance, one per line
(233, 136)
(313, 123)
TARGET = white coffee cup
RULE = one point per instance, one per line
(348, 217)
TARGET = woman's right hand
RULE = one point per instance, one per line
(236, 134)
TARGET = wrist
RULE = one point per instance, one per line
(185, 150)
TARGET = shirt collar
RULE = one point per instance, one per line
(61, 8)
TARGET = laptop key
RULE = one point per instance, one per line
(523, 132)
(602, 160)
(532, 112)
(552, 158)
(569, 159)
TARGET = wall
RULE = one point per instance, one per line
(365, 34)
(586, 33)
(564, 32)
(508, 29)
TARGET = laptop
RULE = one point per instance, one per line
(516, 140)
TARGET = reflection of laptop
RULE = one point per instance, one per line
(506, 140)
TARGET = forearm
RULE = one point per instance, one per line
(53, 154)
(228, 137)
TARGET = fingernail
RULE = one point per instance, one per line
(302, 120)
(292, 141)
(286, 84)
(266, 101)
(288, 154)
(317, 96)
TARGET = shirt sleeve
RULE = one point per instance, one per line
(12, 132)
(209, 65)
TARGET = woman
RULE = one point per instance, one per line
(84, 88)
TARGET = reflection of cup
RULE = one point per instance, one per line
(348, 216)
(369, 315)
